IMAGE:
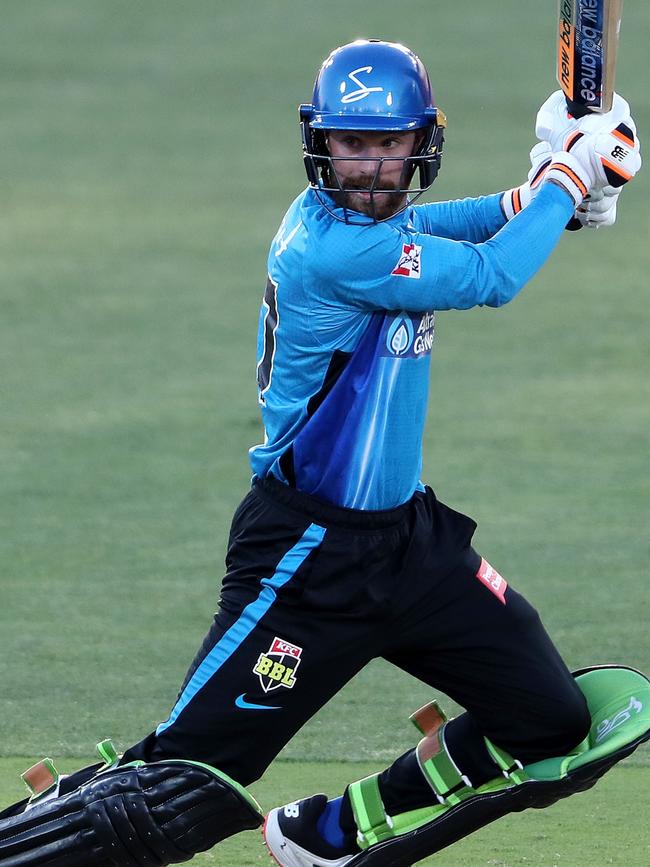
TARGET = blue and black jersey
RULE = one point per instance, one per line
(347, 326)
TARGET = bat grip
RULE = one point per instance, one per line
(576, 109)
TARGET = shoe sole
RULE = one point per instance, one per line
(272, 819)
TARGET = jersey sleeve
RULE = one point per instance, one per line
(473, 220)
(389, 267)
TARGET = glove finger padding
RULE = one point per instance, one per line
(598, 209)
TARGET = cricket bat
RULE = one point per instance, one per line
(587, 45)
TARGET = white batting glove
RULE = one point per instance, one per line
(613, 155)
(598, 209)
(554, 124)
(618, 144)
(540, 159)
(593, 161)
(513, 201)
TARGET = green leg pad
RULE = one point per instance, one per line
(619, 702)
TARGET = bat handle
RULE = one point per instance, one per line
(576, 109)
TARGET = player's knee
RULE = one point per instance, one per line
(559, 719)
(564, 722)
(560, 725)
(575, 721)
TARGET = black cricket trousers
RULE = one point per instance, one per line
(313, 592)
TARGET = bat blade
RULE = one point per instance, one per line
(587, 45)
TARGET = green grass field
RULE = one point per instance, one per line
(149, 151)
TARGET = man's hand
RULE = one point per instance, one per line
(615, 155)
(592, 169)
(599, 209)
(555, 125)
(590, 162)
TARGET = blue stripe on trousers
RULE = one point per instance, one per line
(248, 620)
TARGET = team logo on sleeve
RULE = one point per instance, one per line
(277, 667)
(409, 264)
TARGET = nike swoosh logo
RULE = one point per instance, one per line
(241, 702)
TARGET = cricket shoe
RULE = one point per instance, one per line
(292, 838)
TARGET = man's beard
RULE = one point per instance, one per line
(378, 204)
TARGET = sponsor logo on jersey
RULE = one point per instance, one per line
(410, 262)
(409, 335)
(399, 337)
(277, 667)
(494, 582)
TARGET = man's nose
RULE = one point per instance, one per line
(370, 161)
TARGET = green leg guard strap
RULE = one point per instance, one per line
(619, 703)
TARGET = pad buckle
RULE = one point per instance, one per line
(448, 783)
(511, 768)
(41, 778)
(107, 753)
(429, 718)
(509, 773)
(457, 793)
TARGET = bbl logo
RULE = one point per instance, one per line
(277, 667)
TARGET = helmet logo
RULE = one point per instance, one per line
(362, 89)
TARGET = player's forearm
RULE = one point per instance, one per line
(394, 269)
(472, 219)
(523, 245)
(460, 275)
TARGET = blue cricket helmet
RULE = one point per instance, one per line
(372, 85)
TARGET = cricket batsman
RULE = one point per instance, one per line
(339, 553)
